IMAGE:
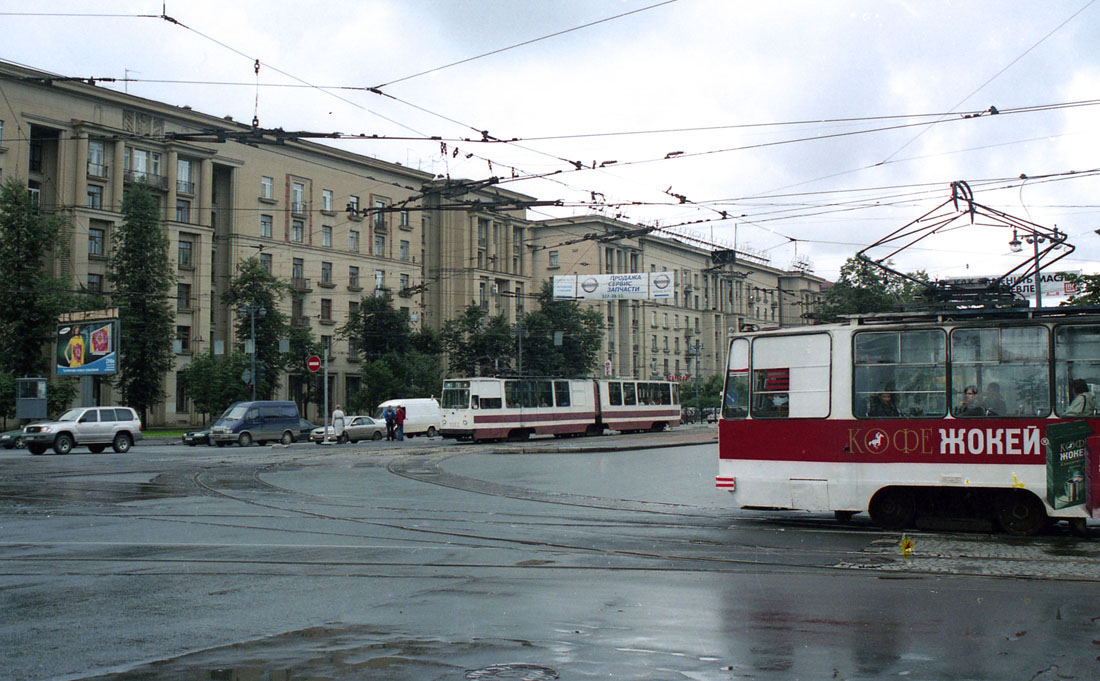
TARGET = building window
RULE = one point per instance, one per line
(297, 231)
(404, 218)
(379, 245)
(483, 294)
(326, 236)
(326, 273)
(353, 276)
(96, 159)
(353, 205)
(267, 187)
(95, 283)
(183, 337)
(183, 210)
(326, 309)
(185, 252)
(326, 199)
(97, 239)
(353, 241)
(404, 250)
(553, 259)
(297, 198)
(265, 226)
(326, 346)
(265, 262)
(95, 196)
(183, 296)
(379, 214)
(298, 269)
(183, 177)
(181, 393)
(379, 280)
(142, 165)
(404, 282)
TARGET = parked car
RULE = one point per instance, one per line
(355, 428)
(12, 439)
(710, 414)
(305, 427)
(94, 427)
(197, 437)
(259, 422)
(422, 415)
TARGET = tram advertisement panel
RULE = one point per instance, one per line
(1066, 447)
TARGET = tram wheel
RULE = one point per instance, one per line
(1020, 513)
(893, 508)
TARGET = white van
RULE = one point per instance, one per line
(422, 415)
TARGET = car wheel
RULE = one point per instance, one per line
(288, 438)
(377, 435)
(63, 444)
(122, 443)
(343, 439)
(221, 443)
(245, 440)
(96, 449)
(37, 449)
(430, 433)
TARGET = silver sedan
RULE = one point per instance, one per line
(355, 428)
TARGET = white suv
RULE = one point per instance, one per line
(94, 427)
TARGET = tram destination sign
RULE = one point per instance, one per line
(636, 286)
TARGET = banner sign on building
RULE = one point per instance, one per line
(638, 286)
(87, 343)
(1054, 284)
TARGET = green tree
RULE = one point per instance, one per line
(477, 344)
(561, 338)
(709, 392)
(376, 328)
(255, 287)
(213, 382)
(379, 382)
(863, 288)
(60, 395)
(142, 279)
(302, 346)
(31, 298)
(1088, 290)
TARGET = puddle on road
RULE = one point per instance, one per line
(335, 654)
(104, 489)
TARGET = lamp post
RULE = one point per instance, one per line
(1035, 239)
(251, 309)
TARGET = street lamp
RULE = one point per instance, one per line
(1035, 239)
(251, 309)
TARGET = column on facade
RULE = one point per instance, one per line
(206, 192)
(118, 175)
(170, 173)
(80, 167)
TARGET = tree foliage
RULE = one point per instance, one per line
(478, 344)
(863, 288)
(579, 330)
(214, 381)
(1088, 290)
(254, 286)
(142, 278)
(32, 299)
(377, 328)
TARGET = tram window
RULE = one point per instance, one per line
(1008, 368)
(561, 393)
(513, 394)
(456, 395)
(735, 399)
(899, 374)
(1076, 356)
(489, 402)
(790, 376)
(629, 395)
(543, 393)
(615, 394)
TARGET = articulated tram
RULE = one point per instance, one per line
(961, 414)
(484, 408)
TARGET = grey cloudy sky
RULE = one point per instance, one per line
(761, 98)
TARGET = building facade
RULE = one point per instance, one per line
(339, 226)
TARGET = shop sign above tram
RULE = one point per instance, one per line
(639, 286)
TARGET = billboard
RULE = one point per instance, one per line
(87, 343)
(637, 286)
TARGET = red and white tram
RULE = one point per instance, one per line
(485, 408)
(967, 413)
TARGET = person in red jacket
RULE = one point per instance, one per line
(399, 419)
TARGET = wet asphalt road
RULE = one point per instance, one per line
(573, 559)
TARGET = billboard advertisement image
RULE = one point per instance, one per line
(87, 348)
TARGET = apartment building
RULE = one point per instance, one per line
(715, 292)
(339, 226)
(335, 224)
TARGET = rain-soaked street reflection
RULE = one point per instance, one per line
(294, 564)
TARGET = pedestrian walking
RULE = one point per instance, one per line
(337, 423)
(399, 419)
(389, 414)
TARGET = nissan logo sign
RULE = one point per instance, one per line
(662, 280)
(589, 285)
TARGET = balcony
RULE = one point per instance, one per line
(185, 187)
(99, 170)
(299, 321)
(300, 284)
(156, 181)
(298, 208)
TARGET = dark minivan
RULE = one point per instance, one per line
(259, 422)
